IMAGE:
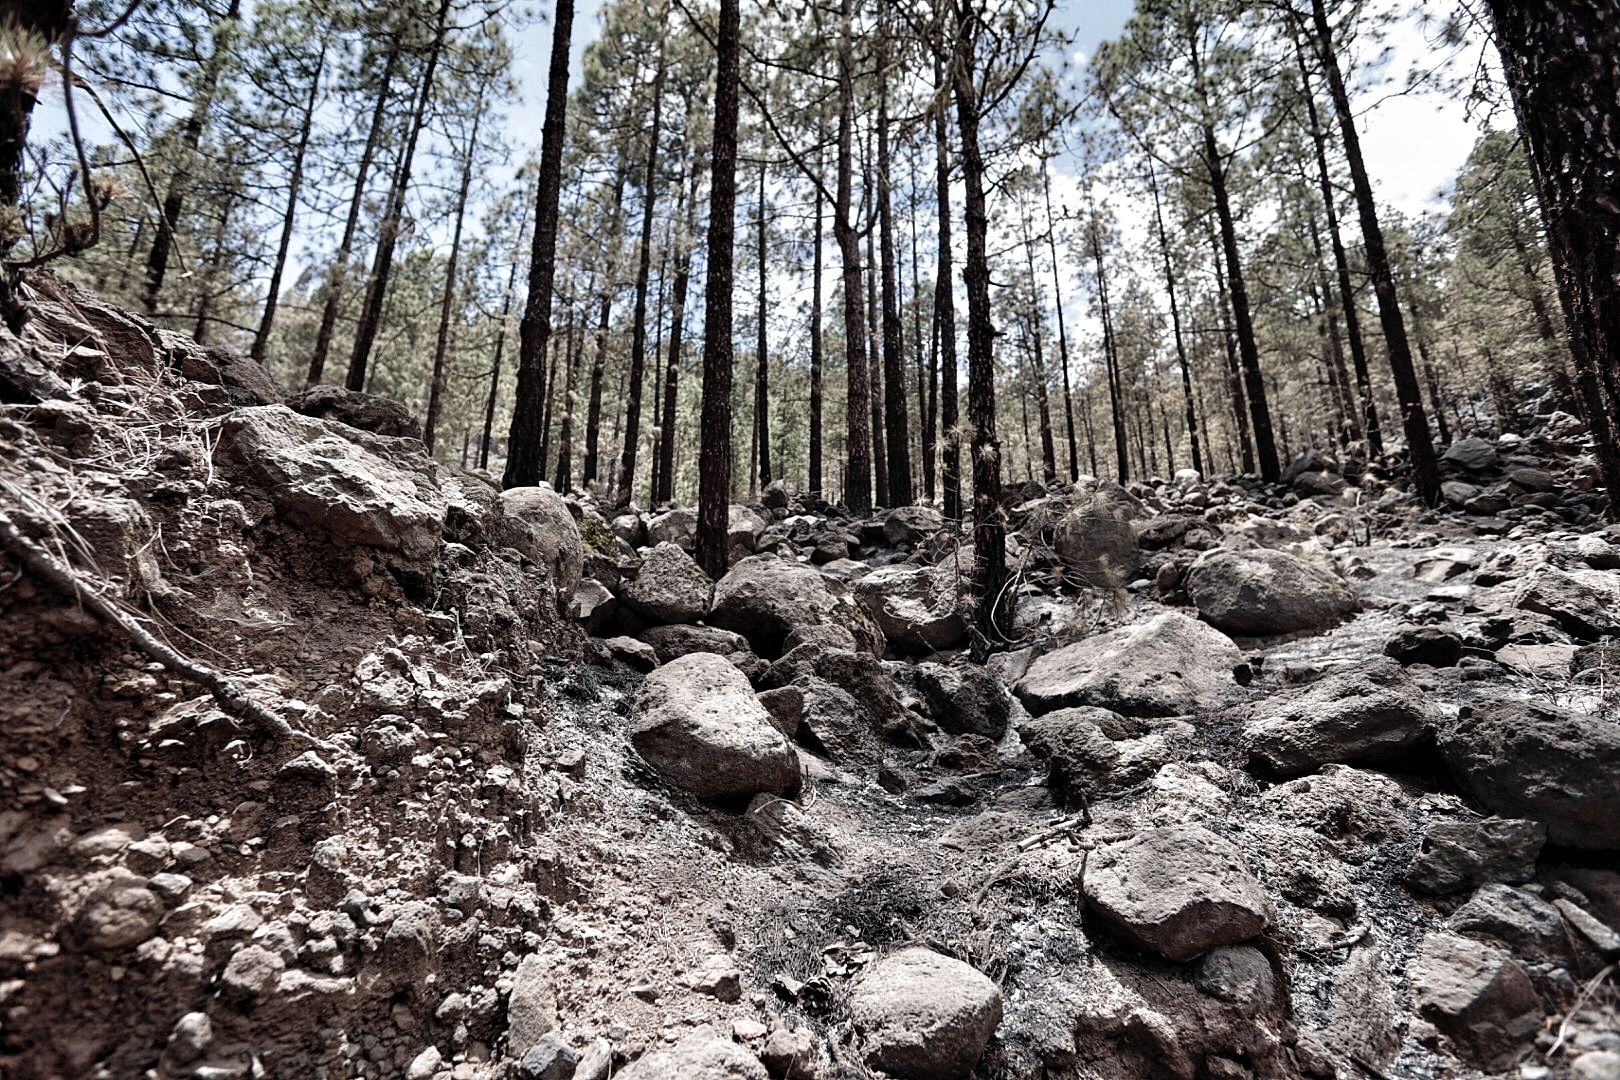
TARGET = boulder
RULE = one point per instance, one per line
(669, 588)
(593, 606)
(1096, 537)
(1429, 645)
(1478, 996)
(702, 1055)
(1261, 592)
(1456, 856)
(1095, 751)
(672, 642)
(697, 722)
(765, 598)
(776, 495)
(963, 698)
(368, 412)
(1471, 454)
(1585, 602)
(531, 1006)
(1531, 479)
(1168, 666)
(908, 526)
(918, 608)
(1178, 891)
(923, 1016)
(1518, 918)
(676, 526)
(535, 521)
(744, 527)
(1528, 760)
(1373, 712)
(356, 487)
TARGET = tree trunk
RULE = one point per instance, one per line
(525, 460)
(1420, 443)
(714, 473)
(638, 321)
(813, 480)
(382, 264)
(340, 266)
(1353, 421)
(927, 373)
(574, 345)
(588, 465)
(1063, 332)
(672, 366)
(762, 378)
(858, 436)
(993, 615)
(441, 344)
(874, 338)
(295, 182)
(495, 366)
(1234, 375)
(1043, 404)
(1122, 456)
(945, 307)
(895, 414)
(1175, 323)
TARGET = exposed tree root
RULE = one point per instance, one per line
(232, 698)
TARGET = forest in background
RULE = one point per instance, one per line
(329, 187)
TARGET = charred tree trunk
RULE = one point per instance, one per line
(945, 309)
(813, 480)
(762, 369)
(993, 615)
(1063, 332)
(1414, 421)
(495, 366)
(677, 325)
(895, 414)
(714, 479)
(858, 437)
(525, 460)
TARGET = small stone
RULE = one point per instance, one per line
(718, 979)
(424, 1065)
(1478, 995)
(548, 1059)
(190, 1038)
(252, 973)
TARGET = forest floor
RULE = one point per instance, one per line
(475, 874)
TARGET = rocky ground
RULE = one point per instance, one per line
(1297, 781)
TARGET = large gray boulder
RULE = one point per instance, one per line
(1372, 713)
(1527, 760)
(923, 1016)
(536, 522)
(696, 720)
(765, 598)
(918, 608)
(1096, 537)
(669, 588)
(368, 412)
(354, 486)
(1179, 891)
(1168, 666)
(1261, 592)
(908, 526)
